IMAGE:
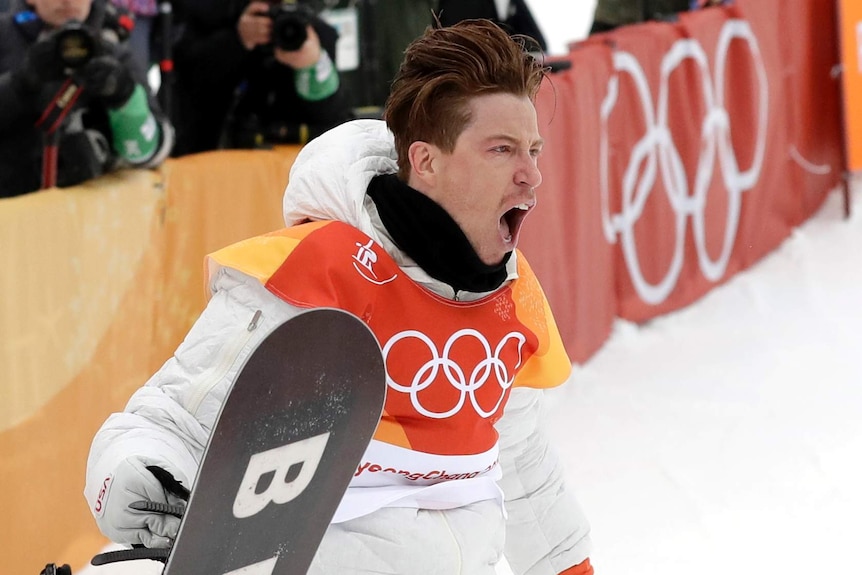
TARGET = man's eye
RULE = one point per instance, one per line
(502, 149)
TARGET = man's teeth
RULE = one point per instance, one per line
(524, 207)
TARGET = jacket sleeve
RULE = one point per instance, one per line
(546, 530)
(16, 109)
(167, 422)
(12, 105)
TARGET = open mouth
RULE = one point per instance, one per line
(510, 222)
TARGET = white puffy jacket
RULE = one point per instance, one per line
(168, 420)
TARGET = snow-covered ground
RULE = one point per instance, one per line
(726, 436)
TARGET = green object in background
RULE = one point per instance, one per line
(317, 82)
(136, 132)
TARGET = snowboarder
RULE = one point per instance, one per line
(411, 224)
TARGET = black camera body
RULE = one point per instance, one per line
(289, 23)
(75, 45)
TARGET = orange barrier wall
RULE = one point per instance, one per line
(79, 268)
(679, 154)
(850, 31)
(101, 283)
(636, 218)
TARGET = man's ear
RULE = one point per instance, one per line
(422, 157)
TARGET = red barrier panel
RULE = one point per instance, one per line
(679, 154)
(563, 238)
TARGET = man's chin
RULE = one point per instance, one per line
(498, 260)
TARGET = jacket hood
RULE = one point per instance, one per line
(330, 176)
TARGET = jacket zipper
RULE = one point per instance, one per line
(228, 358)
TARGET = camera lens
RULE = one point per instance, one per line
(75, 45)
(289, 22)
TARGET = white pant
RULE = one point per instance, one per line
(405, 541)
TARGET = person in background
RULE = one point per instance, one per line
(385, 31)
(241, 81)
(433, 198)
(612, 14)
(144, 12)
(112, 121)
(513, 15)
(396, 23)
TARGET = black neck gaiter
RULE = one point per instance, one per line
(429, 235)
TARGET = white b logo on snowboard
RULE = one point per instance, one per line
(277, 462)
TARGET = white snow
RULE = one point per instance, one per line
(727, 436)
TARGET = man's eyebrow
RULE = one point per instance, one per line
(539, 142)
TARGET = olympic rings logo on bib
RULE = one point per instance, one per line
(490, 373)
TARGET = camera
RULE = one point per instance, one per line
(289, 22)
(74, 44)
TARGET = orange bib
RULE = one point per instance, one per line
(450, 365)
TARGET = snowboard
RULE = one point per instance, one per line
(283, 450)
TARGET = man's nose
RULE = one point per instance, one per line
(529, 173)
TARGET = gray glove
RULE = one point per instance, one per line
(131, 482)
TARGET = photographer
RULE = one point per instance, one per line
(252, 74)
(72, 104)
